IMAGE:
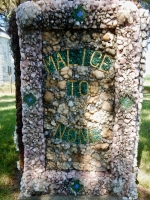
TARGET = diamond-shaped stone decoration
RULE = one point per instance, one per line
(77, 186)
(79, 14)
(126, 102)
(29, 99)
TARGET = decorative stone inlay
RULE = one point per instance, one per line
(77, 57)
(79, 14)
(77, 186)
(29, 99)
(77, 136)
(126, 102)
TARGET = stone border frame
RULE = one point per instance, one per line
(131, 24)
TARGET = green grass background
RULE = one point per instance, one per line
(8, 154)
(144, 143)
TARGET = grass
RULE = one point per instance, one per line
(8, 156)
(144, 144)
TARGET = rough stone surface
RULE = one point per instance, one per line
(62, 197)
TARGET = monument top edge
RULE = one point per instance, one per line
(60, 14)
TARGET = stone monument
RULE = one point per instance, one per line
(82, 65)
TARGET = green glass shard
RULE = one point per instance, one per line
(77, 186)
(79, 14)
(29, 99)
(126, 102)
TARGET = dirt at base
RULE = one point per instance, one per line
(144, 194)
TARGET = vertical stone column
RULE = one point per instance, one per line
(127, 99)
(32, 116)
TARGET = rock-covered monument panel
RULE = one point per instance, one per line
(78, 99)
(82, 65)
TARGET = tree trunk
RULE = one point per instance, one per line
(13, 32)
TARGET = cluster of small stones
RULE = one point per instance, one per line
(97, 14)
(129, 68)
(131, 26)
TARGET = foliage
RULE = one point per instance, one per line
(144, 143)
(6, 7)
(145, 4)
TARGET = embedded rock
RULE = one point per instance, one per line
(103, 146)
(49, 96)
(106, 37)
(107, 106)
(66, 72)
(93, 88)
(61, 85)
(106, 133)
(98, 74)
(111, 51)
(123, 16)
(49, 82)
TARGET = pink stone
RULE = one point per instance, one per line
(116, 127)
(69, 176)
(72, 172)
(121, 79)
(64, 192)
(119, 42)
(25, 63)
(42, 158)
(100, 174)
(120, 47)
(122, 61)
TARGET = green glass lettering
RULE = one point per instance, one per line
(106, 63)
(96, 59)
(49, 64)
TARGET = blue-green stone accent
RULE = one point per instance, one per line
(77, 136)
(29, 99)
(77, 186)
(126, 102)
(79, 14)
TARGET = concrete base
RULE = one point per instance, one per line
(63, 197)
